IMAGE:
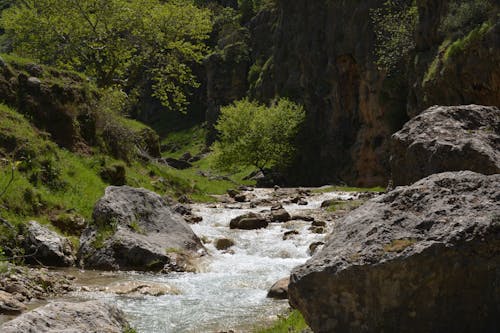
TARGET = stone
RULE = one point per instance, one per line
(240, 198)
(280, 215)
(44, 246)
(317, 230)
(233, 193)
(421, 258)
(222, 244)
(248, 221)
(86, 317)
(9, 304)
(141, 288)
(279, 290)
(135, 229)
(319, 223)
(175, 163)
(289, 234)
(447, 138)
(314, 247)
(303, 218)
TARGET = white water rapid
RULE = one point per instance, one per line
(230, 291)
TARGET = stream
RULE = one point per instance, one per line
(230, 290)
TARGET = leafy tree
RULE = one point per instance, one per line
(111, 39)
(256, 135)
(395, 23)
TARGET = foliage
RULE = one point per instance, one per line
(461, 44)
(395, 23)
(114, 40)
(328, 189)
(464, 15)
(293, 323)
(252, 134)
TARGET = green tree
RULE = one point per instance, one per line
(110, 39)
(255, 135)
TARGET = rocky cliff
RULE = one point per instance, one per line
(323, 54)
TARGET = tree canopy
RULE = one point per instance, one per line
(112, 40)
(255, 135)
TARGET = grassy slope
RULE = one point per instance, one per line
(292, 323)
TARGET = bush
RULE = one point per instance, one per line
(463, 16)
(254, 135)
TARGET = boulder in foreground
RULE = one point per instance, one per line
(421, 258)
(87, 317)
(447, 138)
(135, 229)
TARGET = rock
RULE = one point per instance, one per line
(248, 222)
(186, 157)
(302, 202)
(135, 229)
(141, 288)
(47, 247)
(223, 244)
(193, 219)
(183, 210)
(314, 247)
(449, 138)
(279, 290)
(276, 206)
(317, 230)
(87, 317)
(233, 193)
(303, 218)
(280, 215)
(34, 82)
(329, 202)
(175, 163)
(319, 223)
(240, 198)
(9, 304)
(421, 258)
(289, 234)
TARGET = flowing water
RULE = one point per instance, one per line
(230, 291)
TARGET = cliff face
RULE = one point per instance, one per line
(323, 53)
(323, 57)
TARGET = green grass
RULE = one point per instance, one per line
(348, 189)
(190, 140)
(344, 205)
(292, 323)
(461, 44)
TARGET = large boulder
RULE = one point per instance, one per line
(279, 290)
(447, 138)
(248, 221)
(44, 246)
(135, 229)
(87, 317)
(421, 258)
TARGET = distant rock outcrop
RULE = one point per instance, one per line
(135, 229)
(449, 138)
(88, 317)
(422, 258)
(44, 246)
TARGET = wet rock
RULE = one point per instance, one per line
(141, 288)
(279, 290)
(319, 223)
(289, 234)
(233, 193)
(47, 247)
(317, 230)
(302, 202)
(306, 218)
(280, 215)
(248, 222)
(193, 219)
(9, 304)
(276, 206)
(240, 198)
(447, 138)
(427, 254)
(222, 244)
(135, 229)
(314, 247)
(87, 317)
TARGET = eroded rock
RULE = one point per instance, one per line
(279, 290)
(447, 138)
(87, 317)
(141, 288)
(248, 222)
(421, 258)
(134, 229)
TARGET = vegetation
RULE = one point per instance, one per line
(345, 205)
(399, 245)
(395, 23)
(347, 189)
(465, 15)
(292, 323)
(116, 40)
(254, 135)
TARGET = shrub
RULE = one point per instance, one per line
(254, 135)
(462, 16)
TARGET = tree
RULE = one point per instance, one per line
(109, 40)
(255, 135)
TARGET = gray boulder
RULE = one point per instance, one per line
(135, 229)
(66, 317)
(280, 215)
(421, 258)
(447, 138)
(279, 290)
(44, 246)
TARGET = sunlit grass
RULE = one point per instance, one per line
(292, 323)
